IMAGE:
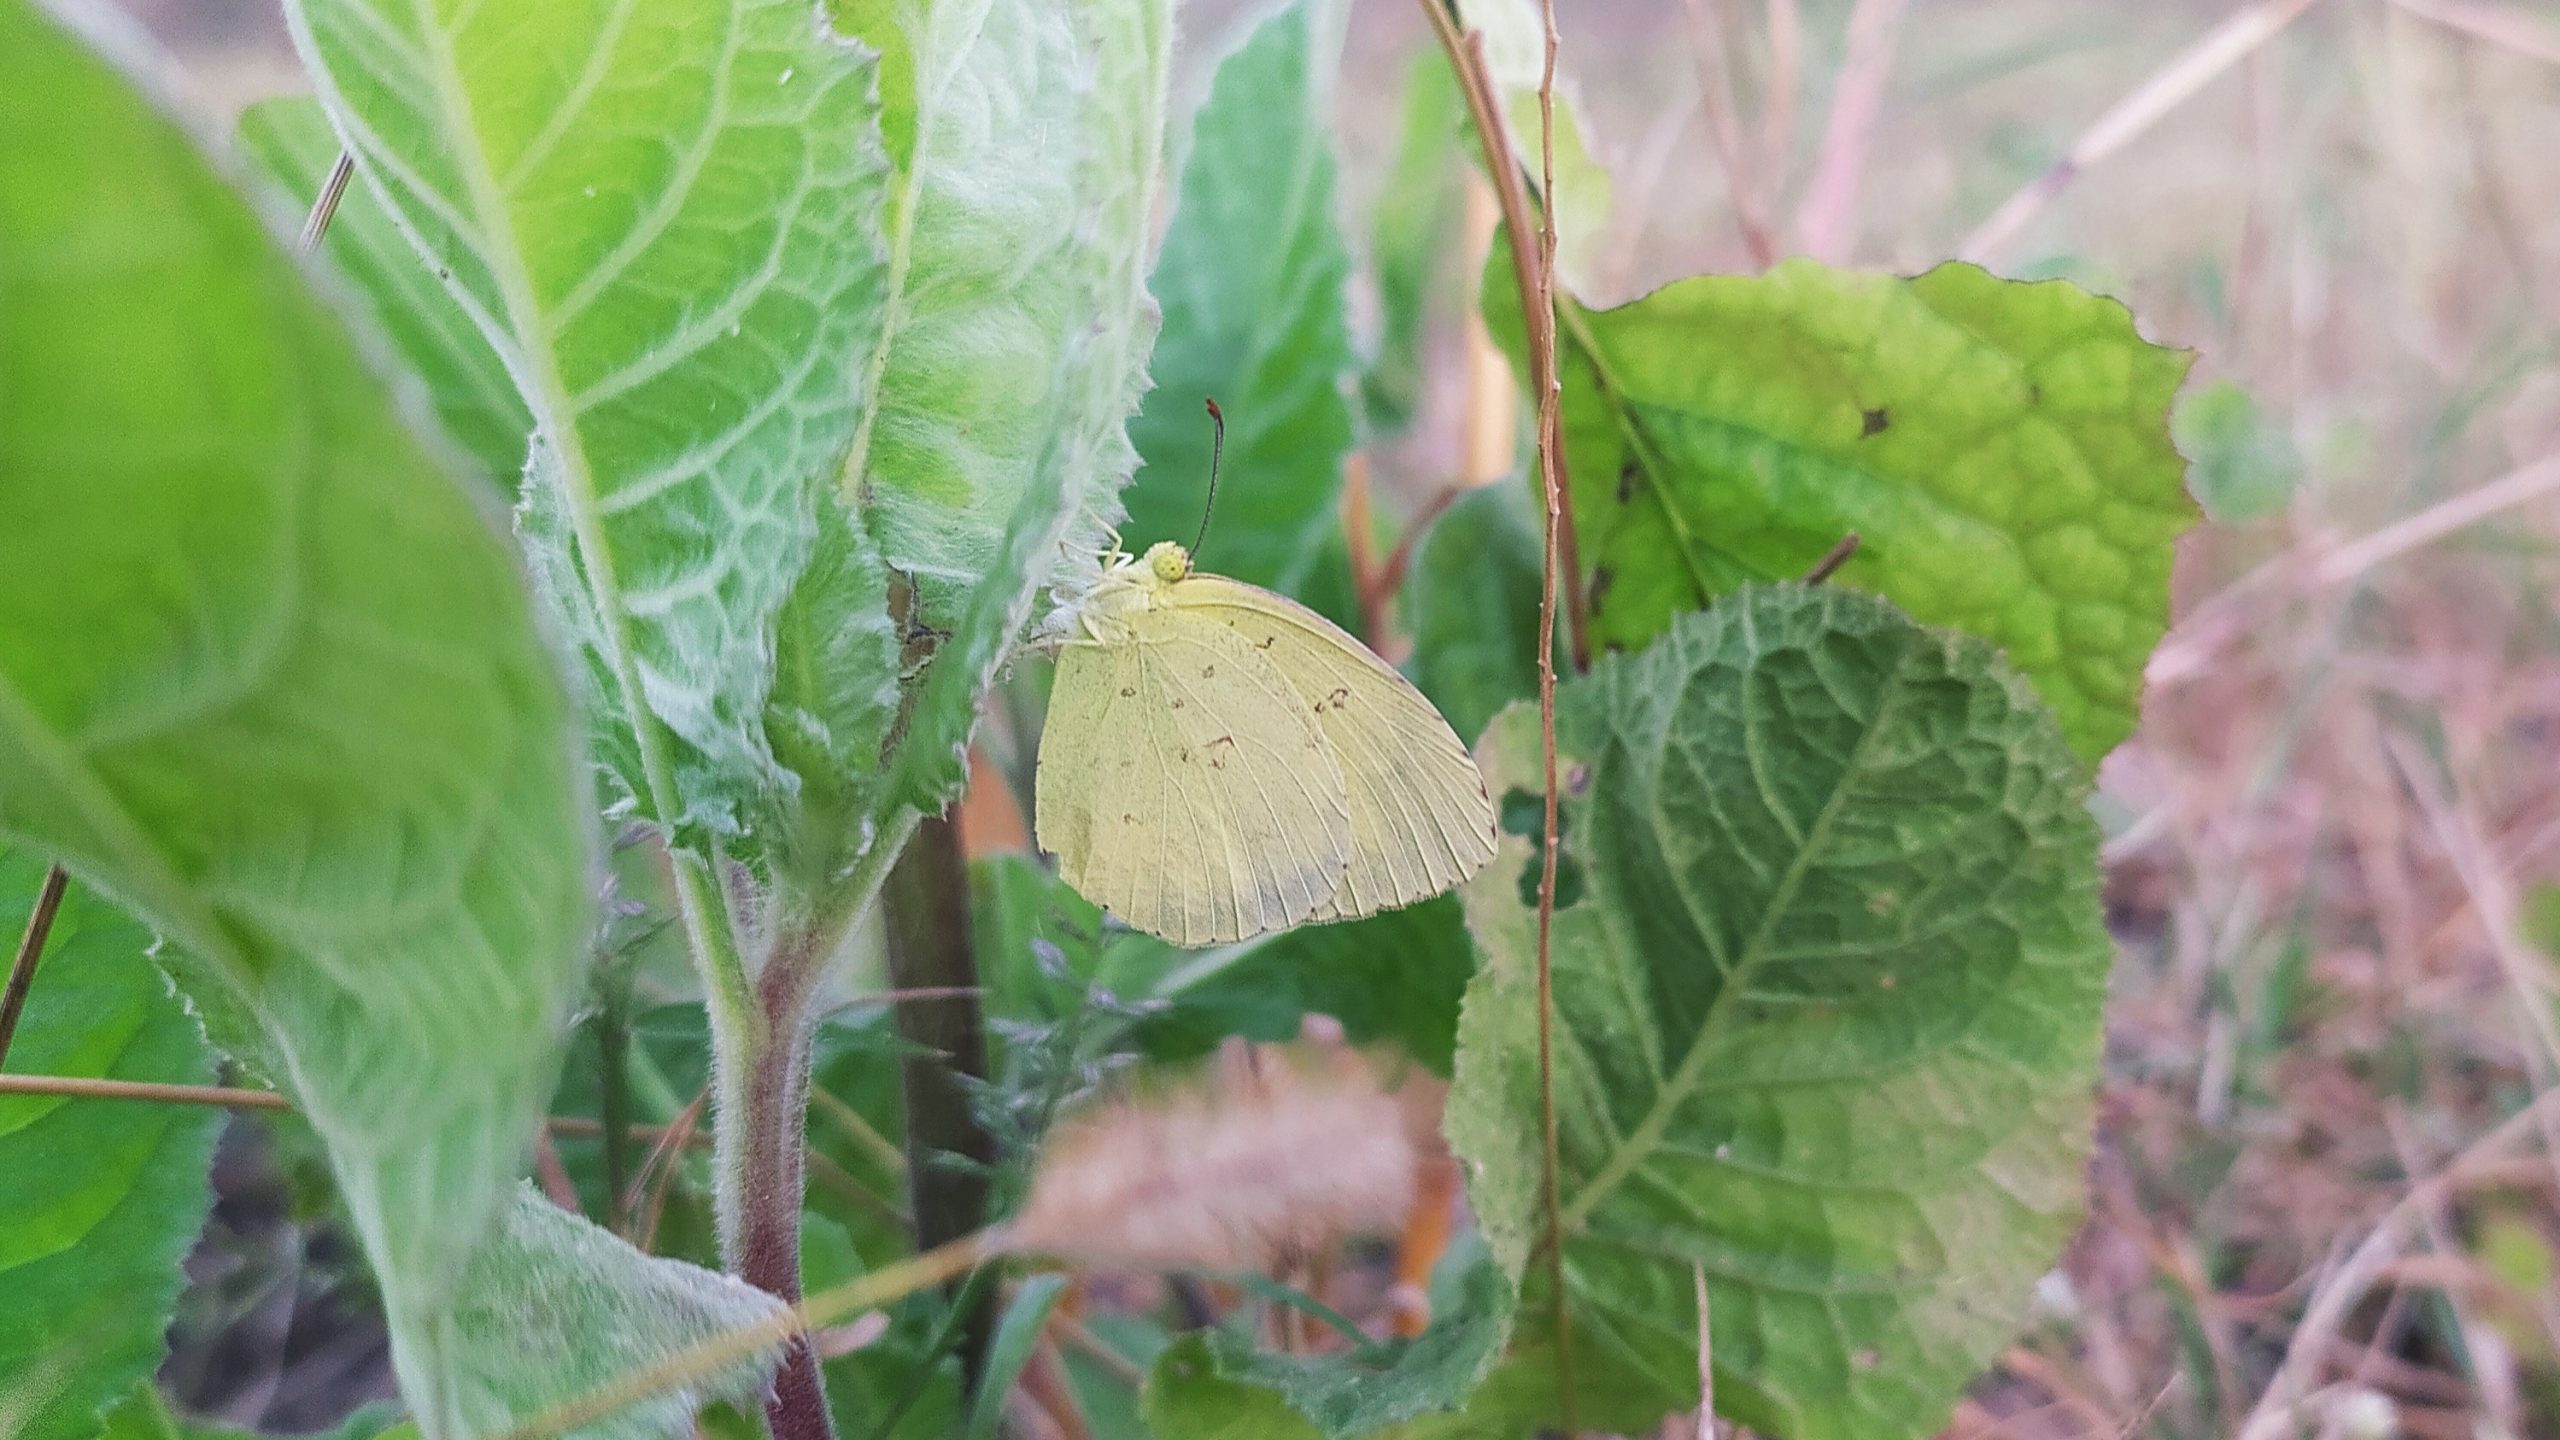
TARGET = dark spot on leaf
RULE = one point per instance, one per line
(1524, 813)
(1873, 422)
(2035, 393)
(1627, 481)
(1602, 577)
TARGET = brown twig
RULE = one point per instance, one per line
(1542, 368)
(86, 1087)
(1724, 127)
(1484, 106)
(1832, 559)
(925, 907)
(22, 970)
(2225, 45)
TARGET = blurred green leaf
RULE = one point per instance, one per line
(271, 678)
(2000, 449)
(1413, 239)
(289, 142)
(1025, 1317)
(2240, 465)
(1336, 1395)
(670, 231)
(1393, 978)
(1022, 290)
(103, 1197)
(1471, 603)
(1826, 1016)
(144, 1415)
(1251, 278)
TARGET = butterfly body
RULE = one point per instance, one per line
(1220, 761)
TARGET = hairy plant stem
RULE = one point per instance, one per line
(760, 1063)
(926, 905)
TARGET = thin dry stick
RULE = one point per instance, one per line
(1542, 367)
(720, 1352)
(1832, 559)
(2500, 25)
(2233, 610)
(2220, 48)
(324, 207)
(89, 1088)
(1778, 94)
(1826, 223)
(2346, 1284)
(1484, 106)
(1724, 126)
(1706, 1363)
(22, 970)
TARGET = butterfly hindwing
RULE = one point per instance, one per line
(1421, 821)
(1184, 786)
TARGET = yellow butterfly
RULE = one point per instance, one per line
(1220, 761)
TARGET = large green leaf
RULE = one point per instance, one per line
(664, 216)
(1393, 978)
(1472, 605)
(290, 143)
(1826, 1019)
(1251, 280)
(2001, 450)
(1337, 1395)
(103, 1197)
(271, 678)
(1027, 139)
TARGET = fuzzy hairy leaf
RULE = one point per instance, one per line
(1336, 1395)
(272, 679)
(103, 1197)
(1826, 1015)
(1027, 138)
(1252, 280)
(290, 144)
(2001, 450)
(556, 1306)
(664, 217)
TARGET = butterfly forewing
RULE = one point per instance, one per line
(1184, 786)
(1421, 821)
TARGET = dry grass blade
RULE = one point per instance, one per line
(1248, 1173)
(1724, 127)
(22, 967)
(1827, 220)
(2169, 87)
(2346, 1283)
(2500, 25)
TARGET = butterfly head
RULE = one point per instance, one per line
(1167, 562)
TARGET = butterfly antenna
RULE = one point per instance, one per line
(1217, 450)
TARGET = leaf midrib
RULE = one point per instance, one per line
(1639, 1143)
(503, 254)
